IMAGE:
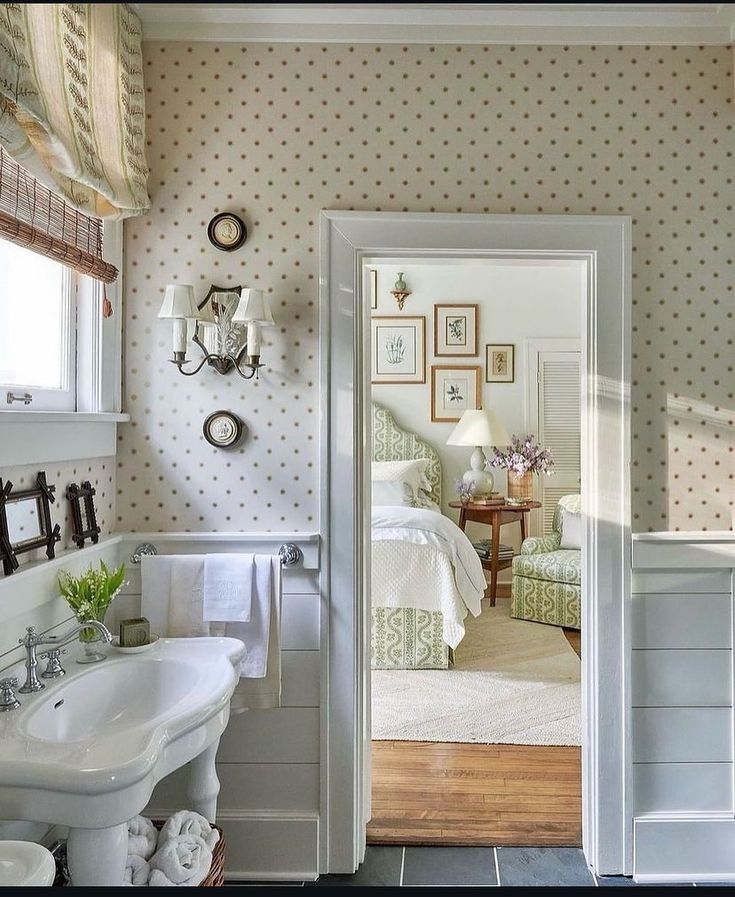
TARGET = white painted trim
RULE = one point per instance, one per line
(436, 23)
(604, 245)
(28, 587)
(62, 417)
(25, 437)
(683, 551)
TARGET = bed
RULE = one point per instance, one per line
(425, 575)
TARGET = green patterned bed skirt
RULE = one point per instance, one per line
(406, 639)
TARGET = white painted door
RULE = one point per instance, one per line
(555, 417)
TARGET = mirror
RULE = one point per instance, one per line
(214, 331)
(83, 513)
(24, 520)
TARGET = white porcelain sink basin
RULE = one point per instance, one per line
(87, 751)
(98, 703)
(23, 863)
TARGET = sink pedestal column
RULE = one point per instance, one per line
(96, 856)
(203, 786)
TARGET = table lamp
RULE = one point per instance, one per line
(479, 428)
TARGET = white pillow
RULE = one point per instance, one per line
(393, 492)
(411, 472)
(571, 530)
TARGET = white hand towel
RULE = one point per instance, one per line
(186, 601)
(183, 860)
(187, 822)
(255, 634)
(228, 587)
(136, 872)
(142, 837)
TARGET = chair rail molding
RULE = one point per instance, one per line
(603, 245)
(436, 23)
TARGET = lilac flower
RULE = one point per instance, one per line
(523, 455)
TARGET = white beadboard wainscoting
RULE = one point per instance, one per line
(682, 681)
(268, 760)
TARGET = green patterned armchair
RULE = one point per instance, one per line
(547, 579)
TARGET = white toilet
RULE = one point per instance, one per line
(25, 864)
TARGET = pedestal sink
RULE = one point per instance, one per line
(87, 751)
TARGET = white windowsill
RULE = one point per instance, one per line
(63, 417)
(25, 437)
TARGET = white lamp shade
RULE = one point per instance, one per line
(479, 428)
(253, 308)
(178, 302)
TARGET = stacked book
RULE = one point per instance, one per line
(484, 550)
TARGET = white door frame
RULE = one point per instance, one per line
(604, 244)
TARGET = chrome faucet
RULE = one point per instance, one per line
(31, 640)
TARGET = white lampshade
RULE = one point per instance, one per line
(253, 308)
(178, 302)
(479, 428)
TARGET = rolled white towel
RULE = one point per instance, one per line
(142, 837)
(181, 861)
(136, 872)
(187, 822)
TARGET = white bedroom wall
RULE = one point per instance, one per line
(516, 302)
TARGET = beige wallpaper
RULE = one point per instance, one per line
(279, 132)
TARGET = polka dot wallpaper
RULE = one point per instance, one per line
(101, 474)
(276, 133)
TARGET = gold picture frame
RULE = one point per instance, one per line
(455, 388)
(398, 349)
(456, 330)
(500, 363)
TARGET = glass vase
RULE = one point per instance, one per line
(520, 486)
(91, 641)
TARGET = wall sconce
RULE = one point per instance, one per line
(226, 327)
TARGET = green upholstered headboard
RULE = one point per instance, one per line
(391, 443)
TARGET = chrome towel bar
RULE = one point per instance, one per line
(289, 553)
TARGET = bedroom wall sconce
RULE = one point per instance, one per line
(227, 327)
(400, 291)
(479, 428)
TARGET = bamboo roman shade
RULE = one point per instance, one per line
(33, 216)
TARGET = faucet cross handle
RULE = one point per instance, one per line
(54, 668)
(8, 700)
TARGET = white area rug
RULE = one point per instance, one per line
(513, 682)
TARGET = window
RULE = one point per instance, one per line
(37, 330)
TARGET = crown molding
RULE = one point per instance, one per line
(439, 23)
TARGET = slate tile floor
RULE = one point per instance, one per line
(470, 867)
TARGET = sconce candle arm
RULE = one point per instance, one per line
(252, 369)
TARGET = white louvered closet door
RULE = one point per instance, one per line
(559, 427)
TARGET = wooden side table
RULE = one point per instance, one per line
(494, 516)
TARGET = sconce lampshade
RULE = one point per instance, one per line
(479, 428)
(253, 308)
(178, 302)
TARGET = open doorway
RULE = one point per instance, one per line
(602, 245)
(475, 550)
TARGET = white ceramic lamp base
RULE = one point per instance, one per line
(478, 477)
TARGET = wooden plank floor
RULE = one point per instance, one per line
(476, 794)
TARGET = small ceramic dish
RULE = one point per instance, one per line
(138, 649)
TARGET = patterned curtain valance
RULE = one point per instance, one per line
(71, 97)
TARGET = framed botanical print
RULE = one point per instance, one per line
(398, 349)
(500, 364)
(454, 389)
(373, 272)
(456, 329)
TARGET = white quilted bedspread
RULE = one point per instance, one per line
(422, 560)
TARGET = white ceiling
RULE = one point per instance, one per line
(469, 23)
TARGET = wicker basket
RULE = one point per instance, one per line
(216, 875)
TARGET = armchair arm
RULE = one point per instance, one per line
(541, 544)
